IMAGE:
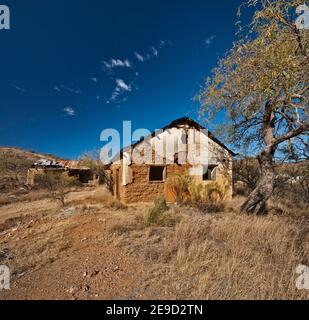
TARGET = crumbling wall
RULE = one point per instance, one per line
(140, 189)
(134, 184)
(143, 190)
(32, 173)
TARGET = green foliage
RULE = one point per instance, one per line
(58, 183)
(156, 214)
(268, 64)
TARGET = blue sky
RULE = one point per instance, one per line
(72, 68)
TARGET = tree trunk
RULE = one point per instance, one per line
(257, 199)
(256, 202)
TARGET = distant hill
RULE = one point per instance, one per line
(14, 163)
(26, 154)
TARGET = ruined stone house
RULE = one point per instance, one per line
(140, 171)
(73, 168)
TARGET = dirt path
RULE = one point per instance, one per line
(25, 208)
(96, 273)
(68, 254)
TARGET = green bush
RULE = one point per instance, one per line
(206, 197)
(155, 215)
(57, 183)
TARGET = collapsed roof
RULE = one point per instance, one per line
(60, 164)
(181, 121)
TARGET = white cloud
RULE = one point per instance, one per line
(120, 89)
(154, 51)
(21, 90)
(210, 40)
(94, 79)
(121, 85)
(67, 90)
(139, 57)
(70, 90)
(114, 63)
(69, 111)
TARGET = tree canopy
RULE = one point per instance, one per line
(266, 69)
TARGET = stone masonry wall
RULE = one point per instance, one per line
(141, 189)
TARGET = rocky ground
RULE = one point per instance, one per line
(68, 253)
(96, 248)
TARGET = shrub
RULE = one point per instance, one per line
(58, 184)
(206, 197)
(155, 214)
(179, 186)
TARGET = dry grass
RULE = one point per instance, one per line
(206, 198)
(240, 257)
(30, 196)
(100, 197)
(224, 256)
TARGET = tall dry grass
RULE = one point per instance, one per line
(224, 255)
(187, 191)
(237, 256)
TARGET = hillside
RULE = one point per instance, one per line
(14, 163)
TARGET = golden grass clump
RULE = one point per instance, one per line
(205, 197)
(235, 256)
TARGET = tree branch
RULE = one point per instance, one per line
(304, 127)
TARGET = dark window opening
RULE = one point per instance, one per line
(210, 173)
(176, 160)
(156, 173)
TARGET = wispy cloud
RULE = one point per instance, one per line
(21, 90)
(210, 40)
(139, 57)
(69, 111)
(67, 90)
(122, 85)
(116, 63)
(94, 79)
(120, 89)
(155, 52)
(162, 44)
(70, 90)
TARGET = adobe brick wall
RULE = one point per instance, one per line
(141, 190)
